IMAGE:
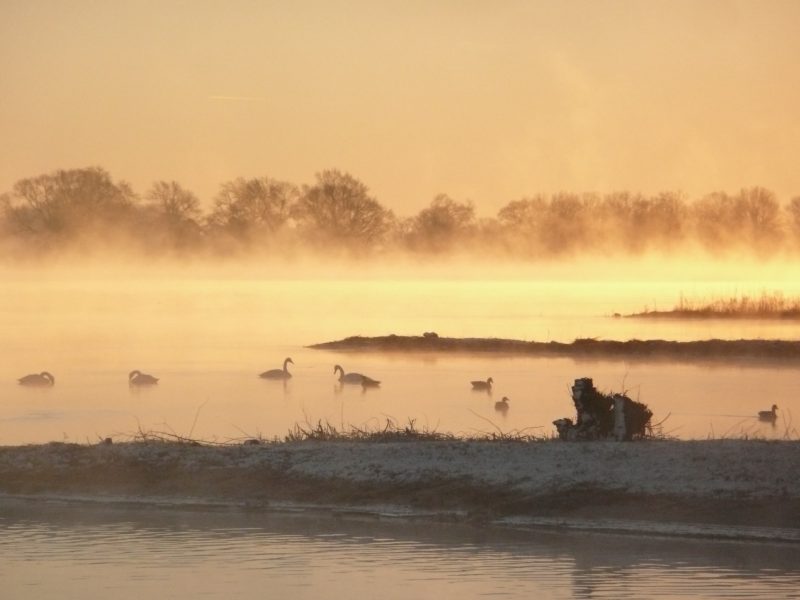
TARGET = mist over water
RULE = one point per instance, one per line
(208, 330)
(200, 190)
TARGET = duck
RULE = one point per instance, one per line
(278, 373)
(349, 377)
(768, 415)
(43, 379)
(367, 382)
(138, 378)
(502, 405)
(483, 385)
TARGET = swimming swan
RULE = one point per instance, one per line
(139, 378)
(43, 379)
(278, 373)
(349, 377)
(369, 382)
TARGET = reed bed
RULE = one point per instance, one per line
(325, 431)
(769, 305)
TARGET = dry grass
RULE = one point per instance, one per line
(324, 431)
(772, 305)
(390, 431)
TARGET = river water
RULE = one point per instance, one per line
(56, 551)
(208, 336)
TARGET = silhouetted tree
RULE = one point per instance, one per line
(338, 210)
(633, 223)
(667, 217)
(568, 225)
(68, 202)
(750, 220)
(174, 212)
(442, 225)
(793, 218)
(253, 208)
(714, 221)
(521, 223)
(760, 215)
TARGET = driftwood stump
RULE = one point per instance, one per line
(603, 416)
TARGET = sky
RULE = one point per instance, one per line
(484, 101)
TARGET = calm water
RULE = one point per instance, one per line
(58, 551)
(208, 338)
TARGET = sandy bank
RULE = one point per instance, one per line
(786, 350)
(748, 483)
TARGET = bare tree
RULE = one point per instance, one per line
(68, 202)
(173, 202)
(174, 212)
(749, 220)
(442, 225)
(793, 214)
(338, 210)
(253, 208)
(522, 223)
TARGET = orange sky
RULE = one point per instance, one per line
(484, 101)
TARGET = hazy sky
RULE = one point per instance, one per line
(488, 101)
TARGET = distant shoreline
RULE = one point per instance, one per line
(786, 350)
(710, 315)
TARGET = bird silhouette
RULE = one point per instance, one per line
(502, 405)
(349, 377)
(483, 385)
(768, 415)
(369, 382)
(139, 378)
(43, 379)
(278, 373)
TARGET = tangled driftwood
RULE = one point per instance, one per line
(603, 416)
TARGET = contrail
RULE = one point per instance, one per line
(240, 98)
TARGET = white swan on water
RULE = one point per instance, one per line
(136, 377)
(278, 373)
(348, 377)
(43, 379)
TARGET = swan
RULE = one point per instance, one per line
(349, 377)
(139, 378)
(42, 379)
(278, 373)
(502, 405)
(483, 385)
(768, 415)
(369, 382)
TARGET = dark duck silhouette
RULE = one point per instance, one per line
(350, 377)
(278, 373)
(138, 378)
(768, 415)
(502, 405)
(484, 386)
(43, 379)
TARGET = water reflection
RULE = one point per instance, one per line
(62, 551)
(208, 340)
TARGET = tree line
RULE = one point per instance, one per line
(86, 208)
